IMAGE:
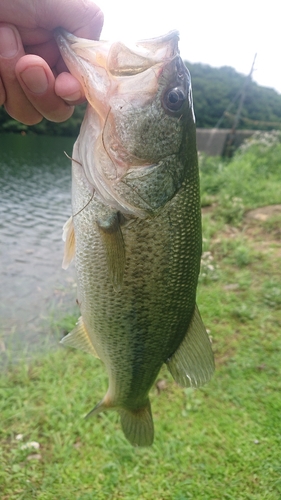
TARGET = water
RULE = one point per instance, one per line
(35, 202)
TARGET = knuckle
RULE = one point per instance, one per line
(27, 116)
(59, 115)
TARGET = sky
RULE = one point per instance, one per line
(214, 32)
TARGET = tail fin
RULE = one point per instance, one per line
(137, 425)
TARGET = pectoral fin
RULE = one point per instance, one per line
(79, 339)
(69, 248)
(193, 362)
(113, 242)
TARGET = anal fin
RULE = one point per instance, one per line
(192, 365)
(79, 339)
(113, 242)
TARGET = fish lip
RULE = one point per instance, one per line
(163, 38)
(63, 38)
(61, 33)
(170, 35)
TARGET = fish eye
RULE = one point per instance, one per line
(174, 99)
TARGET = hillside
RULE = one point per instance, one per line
(216, 94)
(217, 90)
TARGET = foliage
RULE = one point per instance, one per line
(222, 441)
(69, 128)
(216, 90)
(231, 208)
(247, 180)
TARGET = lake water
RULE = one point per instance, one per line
(35, 201)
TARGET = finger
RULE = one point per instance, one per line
(2, 93)
(69, 89)
(11, 93)
(38, 83)
(82, 18)
(46, 50)
(92, 29)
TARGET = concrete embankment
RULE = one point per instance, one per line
(217, 142)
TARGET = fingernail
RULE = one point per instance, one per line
(73, 97)
(35, 79)
(8, 42)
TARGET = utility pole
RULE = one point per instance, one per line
(239, 110)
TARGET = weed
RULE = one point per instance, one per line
(272, 293)
(231, 209)
(243, 255)
(244, 313)
(209, 269)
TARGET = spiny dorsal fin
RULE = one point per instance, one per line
(69, 248)
(193, 362)
(113, 242)
(79, 339)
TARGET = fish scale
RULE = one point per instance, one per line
(136, 238)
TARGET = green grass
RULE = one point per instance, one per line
(220, 442)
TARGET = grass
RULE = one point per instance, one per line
(220, 442)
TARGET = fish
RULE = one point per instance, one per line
(135, 229)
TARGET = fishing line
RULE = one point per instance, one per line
(72, 159)
(102, 139)
(79, 163)
(77, 213)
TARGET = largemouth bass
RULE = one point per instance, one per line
(135, 229)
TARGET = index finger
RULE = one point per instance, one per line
(11, 93)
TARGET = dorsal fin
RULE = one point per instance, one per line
(192, 365)
(69, 248)
(79, 339)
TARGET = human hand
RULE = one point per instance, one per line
(34, 82)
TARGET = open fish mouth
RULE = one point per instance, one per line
(117, 57)
(96, 64)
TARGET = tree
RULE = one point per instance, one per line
(216, 93)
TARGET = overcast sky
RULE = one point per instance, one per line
(215, 32)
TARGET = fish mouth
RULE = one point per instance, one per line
(102, 67)
(117, 57)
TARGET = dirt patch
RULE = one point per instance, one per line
(264, 213)
(261, 226)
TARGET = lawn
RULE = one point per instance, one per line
(222, 441)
